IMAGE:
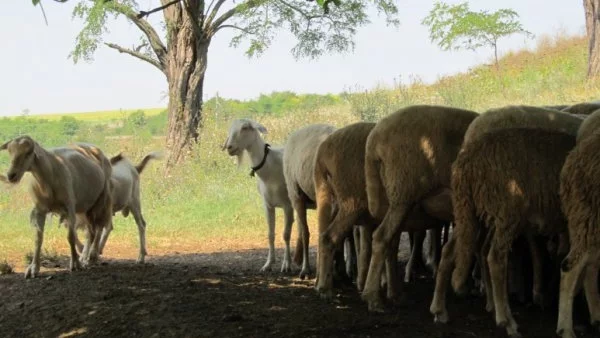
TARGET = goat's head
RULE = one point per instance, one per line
(22, 153)
(242, 134)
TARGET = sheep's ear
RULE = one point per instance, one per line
(5, 145)
(259, 127)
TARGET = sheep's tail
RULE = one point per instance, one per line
(465, 223)
(374, 184)
(324, 195)
(153, 155)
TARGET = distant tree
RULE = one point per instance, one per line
(456, 27)
(137, 119)
(70, 125)
(592, 25)
(25, 112)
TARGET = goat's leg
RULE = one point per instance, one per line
(288, 215)
(37, 218)
(141, 225)
(590, 285)
(300, 207)
(107, 230)
(364, 256)
(270, 215)
(571, 270)
(393, 287)
(486, 280)
(71, 219)
(350, 256)
(435, 246)
(498, 263)
(382, 237)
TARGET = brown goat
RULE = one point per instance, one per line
(407, 162)
(508, 178)
(67, 181)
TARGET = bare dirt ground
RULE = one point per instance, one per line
(224, 295)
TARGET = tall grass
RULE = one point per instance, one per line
(209, 204)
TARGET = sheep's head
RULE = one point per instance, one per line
(22, 153)
(242, 134)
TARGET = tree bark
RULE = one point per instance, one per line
(592, 25)
(187, 60)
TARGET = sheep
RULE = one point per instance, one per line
(408, 156)
(521, 116)
(298, 167)
(509, 178)
(267, 164)
(580, 202)
(589, 126)
(583, 108)
(68, 181)
(125, 193)
(341, 199)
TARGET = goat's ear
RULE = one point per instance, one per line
(259, 127)
(5, 145)
(225, 143)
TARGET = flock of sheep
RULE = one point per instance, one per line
(491, 179)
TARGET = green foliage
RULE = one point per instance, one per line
(137, 119)
(70, 126)
(456, 27)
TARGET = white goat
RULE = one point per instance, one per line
(267, 164)
(67, 181)
(125, 193)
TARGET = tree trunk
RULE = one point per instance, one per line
(186, 68)
(592, 25)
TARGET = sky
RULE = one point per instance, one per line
(38, 76)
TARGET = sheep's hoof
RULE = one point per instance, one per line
(564, 333)
(374, 302)
(32, 271)
(441, 318)
(305, 273)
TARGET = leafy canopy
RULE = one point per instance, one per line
(256, 23)
(456, 27)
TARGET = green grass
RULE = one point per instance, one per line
(100, 116)
(208, 204)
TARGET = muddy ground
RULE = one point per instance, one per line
(224, 295)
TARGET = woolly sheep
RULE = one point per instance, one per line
(579, 188)
(298, 167)
(340, 185)
(67, 181)
(267, 164)
(408, 158)
(509, 178)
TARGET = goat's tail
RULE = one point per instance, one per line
(116, 158)
(157, 155)
(465, 223)
(374, 185)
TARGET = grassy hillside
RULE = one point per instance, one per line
(208, 204)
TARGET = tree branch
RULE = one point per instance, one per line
(142, 14)
(138, 55)
(213, 27)
(213, 13)
(235, 27)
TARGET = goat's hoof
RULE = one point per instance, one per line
(75, 265)
(566, 333)
(325, 294)
(266, 268)
(140, 260)
(374, 302)
(32, 271)
(286, 267)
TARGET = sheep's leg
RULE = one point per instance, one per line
(329, 240)
(391, 269)
(37, 219)
(366, 237)
(498, 262)
(590, 285)
(486, 280)
(382, 237)
(270, 214)
(571, 269)
(442, 280)
(434, 252)
(288, 215)
(416, 254)
(303, 231)
(536, 262)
